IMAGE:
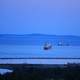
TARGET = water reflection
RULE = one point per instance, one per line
(4, 71)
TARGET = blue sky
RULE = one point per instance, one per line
(60, 17)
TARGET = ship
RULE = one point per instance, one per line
(47, 46)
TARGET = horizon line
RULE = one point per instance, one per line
(38, 34)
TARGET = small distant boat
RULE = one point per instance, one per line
(60, 44)
(63, 44)
(47, 46)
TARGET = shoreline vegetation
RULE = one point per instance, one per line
(71, 71)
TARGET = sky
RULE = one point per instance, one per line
(58, 17)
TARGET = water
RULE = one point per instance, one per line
(24, 51)
(38, 51)
(4, 71)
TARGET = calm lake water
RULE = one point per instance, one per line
(21, 51)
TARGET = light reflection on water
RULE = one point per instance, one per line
(37, 61)
(4, 71)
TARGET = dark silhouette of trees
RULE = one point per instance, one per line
(71, 72)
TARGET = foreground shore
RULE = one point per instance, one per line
(41, 72)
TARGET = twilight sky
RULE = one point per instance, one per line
(60, 17)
